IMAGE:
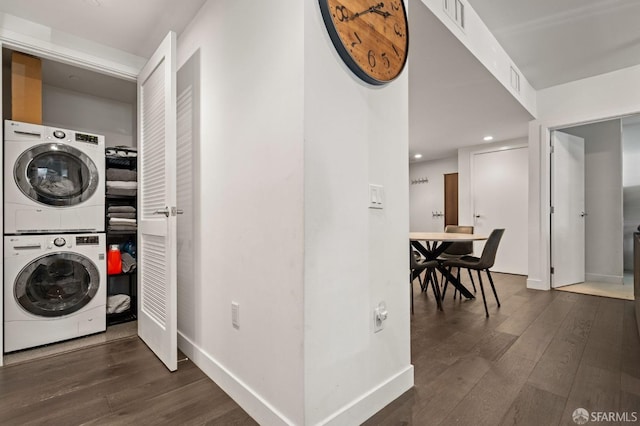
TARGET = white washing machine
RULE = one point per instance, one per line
(54, 180)
(54, 288)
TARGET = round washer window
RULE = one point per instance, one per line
(56, 284)
(56, 175)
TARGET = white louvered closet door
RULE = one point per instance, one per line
(157, 307)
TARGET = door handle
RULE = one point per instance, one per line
(164, 211)
(583, 214)
(476, 216)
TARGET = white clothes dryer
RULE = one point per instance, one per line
(54, 288)
(54, 180)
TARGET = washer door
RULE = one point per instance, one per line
(56, 284)
(56, 175)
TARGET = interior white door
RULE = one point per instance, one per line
(568, 210)
(157, 307)
(500, 200)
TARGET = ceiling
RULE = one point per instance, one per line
(453, 100)
(554, 42)
(134, 26)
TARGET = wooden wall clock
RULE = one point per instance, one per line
(371, 36)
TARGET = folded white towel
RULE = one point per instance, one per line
(122, 184)
(121, 220)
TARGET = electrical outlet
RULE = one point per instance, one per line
(380, 315)
(235, 314)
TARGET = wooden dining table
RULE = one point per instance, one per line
(433, 244)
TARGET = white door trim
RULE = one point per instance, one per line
(123, 65)
(540, 195)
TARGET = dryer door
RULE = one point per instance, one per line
(56, 284)
(56, 175)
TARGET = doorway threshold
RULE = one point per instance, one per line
(114, 332)
(614, 291)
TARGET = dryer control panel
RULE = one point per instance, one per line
(91, 240)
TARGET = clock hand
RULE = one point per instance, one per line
(380, 12)
(369, 10)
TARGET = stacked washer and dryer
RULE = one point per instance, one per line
(54, 244)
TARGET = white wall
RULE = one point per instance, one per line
(605, 96)
(251, 198)
(477, 38)
(355, 257)
(78, 111)
(631, 188)
(603, 200)
(427, 198)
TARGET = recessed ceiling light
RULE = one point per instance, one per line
(487, 138)
(417, 156)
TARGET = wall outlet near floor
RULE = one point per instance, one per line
(380, 315)
(235, 314)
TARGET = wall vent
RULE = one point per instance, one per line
(455, 10)
(515, 80)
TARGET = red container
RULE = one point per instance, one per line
(114, 260)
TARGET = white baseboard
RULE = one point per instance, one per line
(612, 279)
(373, 401)
(259, 409)
(537, 284)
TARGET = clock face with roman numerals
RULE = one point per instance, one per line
(371, 36)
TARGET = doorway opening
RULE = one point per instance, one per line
(593, 207)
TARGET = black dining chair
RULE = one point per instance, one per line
(483, 263)
(416, 268)
(455, 251)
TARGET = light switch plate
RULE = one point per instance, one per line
(235, 314)
(376, 196)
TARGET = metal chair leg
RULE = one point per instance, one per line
(484, 300)
(411, 288)
(455, 290)
(445, 284)
(436, 289)
(493, 287)
(472, 283)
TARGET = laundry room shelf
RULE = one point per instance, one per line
(121, 197)
(132, 232)
(122, 274)
(121, 317)
(123, 283)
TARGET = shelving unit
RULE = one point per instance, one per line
(126, 282)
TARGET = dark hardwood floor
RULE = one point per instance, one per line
(532, 362)
(118, 383)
